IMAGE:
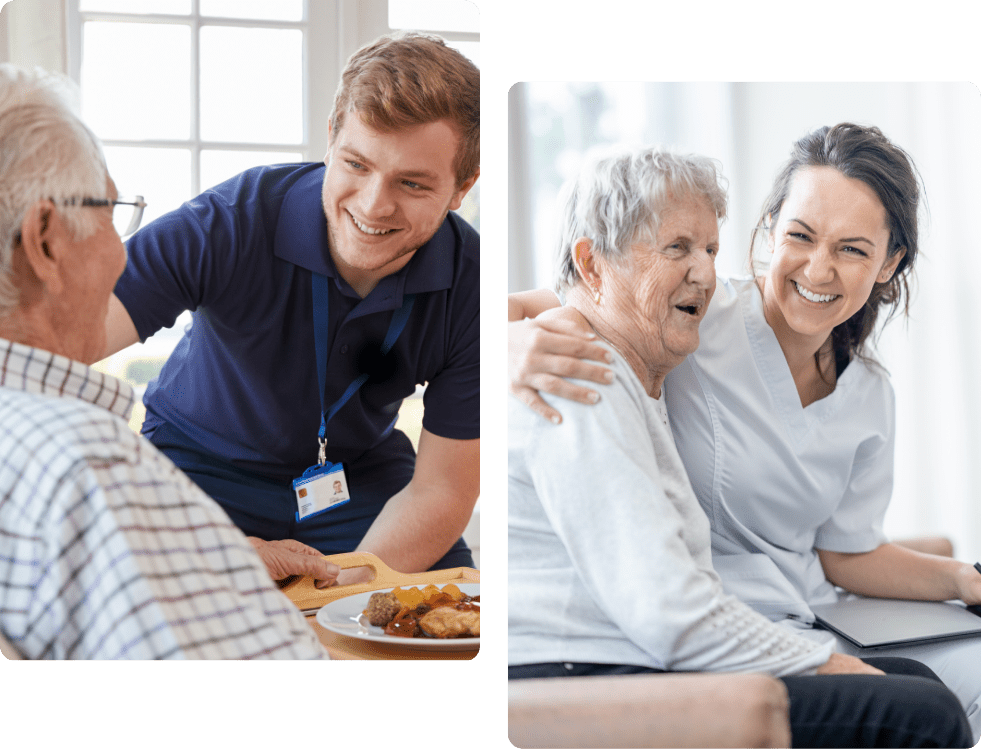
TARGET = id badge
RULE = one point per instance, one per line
(320, 488)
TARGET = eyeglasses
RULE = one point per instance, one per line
(126, 214)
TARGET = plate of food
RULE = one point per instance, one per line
(433, 617)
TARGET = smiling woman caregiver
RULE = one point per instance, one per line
(784, 423)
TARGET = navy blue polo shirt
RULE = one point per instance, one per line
(242, 382)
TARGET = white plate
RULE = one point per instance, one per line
(344, 617)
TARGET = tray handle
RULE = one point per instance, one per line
(302, 591)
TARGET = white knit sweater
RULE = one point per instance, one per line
(609, 558)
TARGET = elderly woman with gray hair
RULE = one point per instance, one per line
(609, 559)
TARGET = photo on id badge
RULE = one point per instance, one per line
(321, 489)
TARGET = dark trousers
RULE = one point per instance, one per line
(908, 707)
(265, 507)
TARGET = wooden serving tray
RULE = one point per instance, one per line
(302, 592)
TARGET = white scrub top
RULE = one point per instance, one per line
(778, 480)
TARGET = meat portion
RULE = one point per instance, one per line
(381, 609)
(450, 621)
(430, 612)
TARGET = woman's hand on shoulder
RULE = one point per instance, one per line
(839, 663)
(542, 352)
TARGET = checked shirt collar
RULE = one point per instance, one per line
(35, 370)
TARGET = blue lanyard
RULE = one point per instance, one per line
(320, 333)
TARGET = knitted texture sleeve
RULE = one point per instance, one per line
(617, 499)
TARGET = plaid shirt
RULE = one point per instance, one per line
(107, 550)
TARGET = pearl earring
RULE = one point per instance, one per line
(596, 295)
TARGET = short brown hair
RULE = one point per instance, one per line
(408, 79)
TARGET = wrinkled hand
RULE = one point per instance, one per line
(289, 557)
(969, 584)
(847, 664)
(545, 350)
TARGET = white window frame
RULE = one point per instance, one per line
(195, 22)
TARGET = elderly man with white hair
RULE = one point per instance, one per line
(107, 550)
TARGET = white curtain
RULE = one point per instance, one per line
(750, 128)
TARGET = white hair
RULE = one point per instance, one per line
(617, 200)
(46, 152)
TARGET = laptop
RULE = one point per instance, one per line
(882, 623)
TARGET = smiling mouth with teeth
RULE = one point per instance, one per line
(811, 297)
(367, 229)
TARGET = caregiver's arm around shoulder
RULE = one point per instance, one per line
(892, 571)
(547, 345)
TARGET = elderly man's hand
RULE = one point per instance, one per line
(289, 557)
(544, 351)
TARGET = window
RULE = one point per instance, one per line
(181, 101)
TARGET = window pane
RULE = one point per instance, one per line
(251, 85)
(217, 166)
(281, 10)
(468, 49)
(128, 91)
(161, 175)
(434, 15)
(173, 7)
